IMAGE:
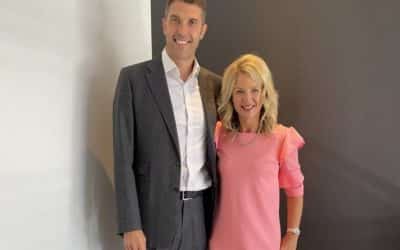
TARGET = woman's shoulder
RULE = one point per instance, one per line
(285, 131)
(219, 128)
(288, 134)
(280, 130)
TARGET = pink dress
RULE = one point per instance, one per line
(252, 169)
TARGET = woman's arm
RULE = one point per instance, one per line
(294, 212)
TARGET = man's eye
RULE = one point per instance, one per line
(193, 22)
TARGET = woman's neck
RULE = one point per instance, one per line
(248, 126)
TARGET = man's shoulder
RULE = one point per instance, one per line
(141, 66)
(211, 75)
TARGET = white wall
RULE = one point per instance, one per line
(59, 61)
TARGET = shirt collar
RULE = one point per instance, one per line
(170, 66)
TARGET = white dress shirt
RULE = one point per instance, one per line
(190, 122)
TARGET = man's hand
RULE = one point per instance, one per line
(289, 242)
(134, 240)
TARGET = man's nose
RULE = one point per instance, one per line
(182, 28)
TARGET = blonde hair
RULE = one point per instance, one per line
(256, 68)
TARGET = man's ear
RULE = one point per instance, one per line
(203, 31)
(163, 24)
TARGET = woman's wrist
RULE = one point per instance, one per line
(293, 231)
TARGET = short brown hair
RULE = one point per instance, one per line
(201, 3)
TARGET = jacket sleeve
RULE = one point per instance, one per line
(128, 214)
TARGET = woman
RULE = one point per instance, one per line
(257, 156)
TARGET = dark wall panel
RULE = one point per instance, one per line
(336, 67)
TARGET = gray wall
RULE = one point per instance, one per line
(59, 63)
(335, 65)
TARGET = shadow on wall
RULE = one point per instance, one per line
(99, 71)
(100, 208)
(345, 215)
(356, 208)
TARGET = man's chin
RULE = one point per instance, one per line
(183, 55)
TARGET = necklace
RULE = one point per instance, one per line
(240, 142)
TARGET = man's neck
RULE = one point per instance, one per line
(185, 68)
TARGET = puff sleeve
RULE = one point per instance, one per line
(290, 175)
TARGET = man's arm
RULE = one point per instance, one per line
(128, 214)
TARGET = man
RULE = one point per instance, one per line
(164, 119)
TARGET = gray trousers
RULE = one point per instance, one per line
(191, 232)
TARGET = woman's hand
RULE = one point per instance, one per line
(289, 242)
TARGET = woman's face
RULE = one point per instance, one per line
(246, 99)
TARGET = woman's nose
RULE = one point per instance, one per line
(247, 96)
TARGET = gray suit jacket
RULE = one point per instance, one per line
(146, 151)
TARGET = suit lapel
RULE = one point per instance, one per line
(207, 93)
(158, 86)
(208, 98)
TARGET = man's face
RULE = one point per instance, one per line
(183, 29)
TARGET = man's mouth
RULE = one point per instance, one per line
(181, 41)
